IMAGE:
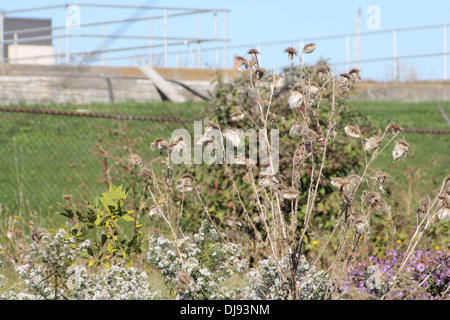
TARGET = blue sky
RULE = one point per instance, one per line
(253, 22)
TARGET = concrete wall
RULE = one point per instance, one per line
(84, 84)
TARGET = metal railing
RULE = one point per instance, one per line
(390, 41)
(146, 40)
(152, 44)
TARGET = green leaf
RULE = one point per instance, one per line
(126, 217)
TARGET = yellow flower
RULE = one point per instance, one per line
(399, 241)
(16, 217)
(437, 247)
(315, 242)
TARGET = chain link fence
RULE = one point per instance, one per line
(51, 157)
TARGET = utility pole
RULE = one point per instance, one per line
(357, 38)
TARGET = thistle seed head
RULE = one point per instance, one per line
(372, 143)
(185, 184)
(352, 131)
(233, 222)
(145, 174)
(394, 128)
(355, 75)
(295, 99)
(291, 51)
(160, 144)
(310, 47)
(400, 149)
(322, 71)
(134, 160)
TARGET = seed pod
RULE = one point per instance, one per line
(400, 149)
(372, 143)
(352, 131)
(134, 160)
(185, 184)
(310, 47)
(295, 99)
(291, 51)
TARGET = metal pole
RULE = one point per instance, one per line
(445, 53)
(358, 37)
(67, 47)
(150, 49)
(58, 45)
(199, 47)
(225, 58)
(16, 48)
(104, 45)
(394, 56)
(2, 27)
(347, 51)
(165, 39)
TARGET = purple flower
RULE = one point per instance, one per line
(420, 267)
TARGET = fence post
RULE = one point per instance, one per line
(150, 48)
(199, 47)
(104, 45)
(2, 27)
(58, 45)
(16, 48)
(445, 53)
(394, 56)
(347, 51)
(165, 39)
(225, 58)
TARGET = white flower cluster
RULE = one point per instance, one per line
(198, 268)
(51, 272)
(266, 282)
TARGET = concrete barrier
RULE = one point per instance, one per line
(45, 84)
(87, 84)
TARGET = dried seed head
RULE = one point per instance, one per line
(352, 131)
(145, 173)
(400, 149)
(372, 143)
(237, 116)
(276, 82)
(295, 99)
(160, 144)
(394, 128)
(134, 160)
(350, 184)
(380, 178)
(153, 211)
(298, 129)
(443, 214)
(260, 72)
(242, 63)
(291, 51)
(310, 47)
(311, 89)
(253, 52)
(376, 202)
(232, 135)
(362, 227)
(345, 77)
(185, 184)
(233, 221)
(355, 74)
(337, 182)
(183, 281)
(289, 194)
(322, 71)
(423, 208)
(176, 145)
